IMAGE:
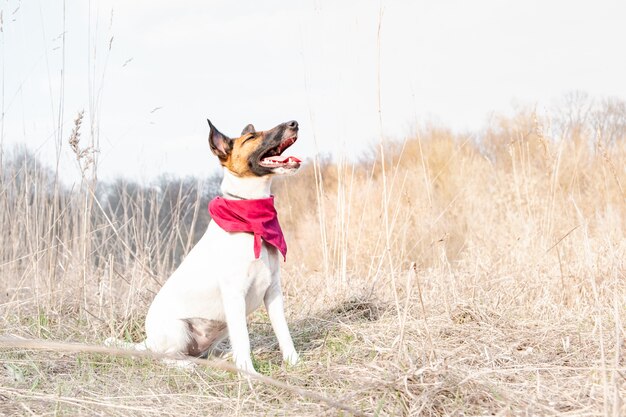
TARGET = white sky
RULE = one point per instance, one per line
(240, 62)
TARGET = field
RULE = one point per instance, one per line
(445, 274)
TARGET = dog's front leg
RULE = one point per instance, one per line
(275, 309)
(234, 303)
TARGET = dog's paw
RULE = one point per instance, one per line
(183, 364)
(112, 342)
(291, 358)
(247, 367)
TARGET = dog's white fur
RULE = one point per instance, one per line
(221, 280)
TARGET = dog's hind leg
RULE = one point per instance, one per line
(172, 337)
(168, 335)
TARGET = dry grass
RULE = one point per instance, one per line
(497, 286)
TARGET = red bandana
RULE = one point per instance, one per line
(252, 216)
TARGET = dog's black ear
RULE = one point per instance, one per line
(248, 129)
(220, 144)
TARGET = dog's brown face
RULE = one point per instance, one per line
(256, 153)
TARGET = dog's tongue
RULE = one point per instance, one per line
(282, 159)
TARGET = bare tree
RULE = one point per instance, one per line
(609, 121)
(572, 114)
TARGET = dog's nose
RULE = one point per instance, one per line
(292, 124)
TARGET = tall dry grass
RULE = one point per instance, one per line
(467, 275)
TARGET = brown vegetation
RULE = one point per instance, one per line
(467, 275)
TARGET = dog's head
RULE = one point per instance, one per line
(256, 153)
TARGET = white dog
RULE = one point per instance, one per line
(230, 272)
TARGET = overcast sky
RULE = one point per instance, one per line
(149, 72)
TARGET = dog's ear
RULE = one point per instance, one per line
(248, 129)
(220, 144)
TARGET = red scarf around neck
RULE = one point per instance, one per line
(252, 216)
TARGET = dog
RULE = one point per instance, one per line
(229, 273)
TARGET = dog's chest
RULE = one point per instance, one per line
(235, 268)
(260, 275)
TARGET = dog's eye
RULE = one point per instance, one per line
(250, 136)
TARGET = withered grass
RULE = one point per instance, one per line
(467, 277)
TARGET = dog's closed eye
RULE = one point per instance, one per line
(251, 136)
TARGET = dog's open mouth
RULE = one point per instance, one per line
(273, 158)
